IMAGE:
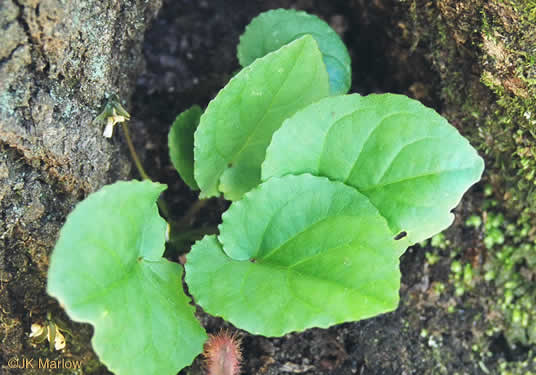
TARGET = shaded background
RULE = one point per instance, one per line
(467, 296)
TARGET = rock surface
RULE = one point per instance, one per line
(59, 62)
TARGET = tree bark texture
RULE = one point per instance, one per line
(59, 61)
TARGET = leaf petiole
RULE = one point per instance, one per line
(133, 153)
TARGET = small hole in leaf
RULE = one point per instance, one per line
(230, 165)
(253, 260)
(401, 235)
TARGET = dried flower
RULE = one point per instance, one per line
(113, 113)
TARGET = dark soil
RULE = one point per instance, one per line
(190, 54)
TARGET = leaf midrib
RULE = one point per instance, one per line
(268, 109)
(435, 173)
(101, 292)
(285, 269)
(272, 252)
(372, 130)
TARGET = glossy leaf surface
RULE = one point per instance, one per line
(272, 29)
(297, 252)
(237, 126)
(107, 269)
(181, 144)
(407, 159)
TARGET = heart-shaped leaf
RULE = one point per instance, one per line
(237, 126)
(107, 269)
(297, 252)
(275, 28)
(407, 159)
(181, 144)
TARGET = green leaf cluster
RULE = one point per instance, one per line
(237, 126)
(347, 184)
(328, 191)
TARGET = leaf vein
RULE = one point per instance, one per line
(379, 186)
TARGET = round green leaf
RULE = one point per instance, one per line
(297, 252)
(181, 144)
(107, 269)
(275, 28)
(236, 128)
(407, 159)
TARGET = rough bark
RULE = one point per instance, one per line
(59, 61)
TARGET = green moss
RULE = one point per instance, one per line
(497, 37)
(519, 368)
(474, 221)
(432, 258)
(439, 241)
(461, 277)
(510, 73)
(510, 268)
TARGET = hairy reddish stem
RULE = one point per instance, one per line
(222, 354)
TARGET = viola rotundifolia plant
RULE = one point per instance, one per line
(328, 190)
